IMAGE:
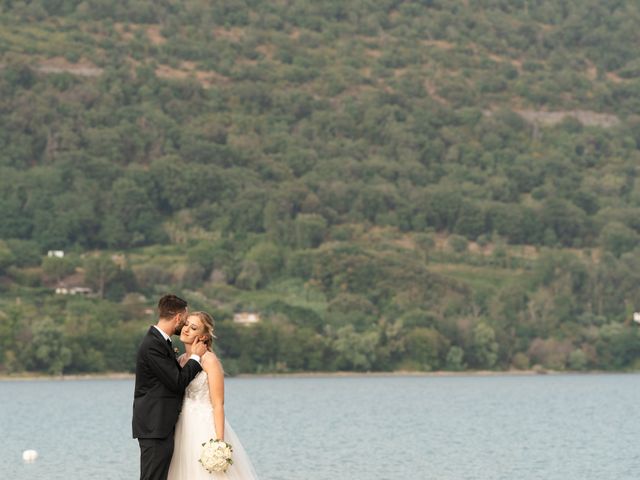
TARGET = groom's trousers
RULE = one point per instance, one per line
(155, 457)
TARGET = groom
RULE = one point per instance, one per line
(160, 386)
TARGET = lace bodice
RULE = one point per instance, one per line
(198, 390)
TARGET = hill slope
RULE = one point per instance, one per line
(326, 164)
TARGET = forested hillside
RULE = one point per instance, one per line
(435, 184)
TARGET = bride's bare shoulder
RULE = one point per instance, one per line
(210, 362)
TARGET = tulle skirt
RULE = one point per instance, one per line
(194, 427)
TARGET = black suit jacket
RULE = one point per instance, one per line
(160, 386)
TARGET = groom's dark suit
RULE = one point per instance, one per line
(159, 389)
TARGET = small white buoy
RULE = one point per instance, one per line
(636, 317)
(29, 456)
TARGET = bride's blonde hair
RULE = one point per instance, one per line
(207, 323)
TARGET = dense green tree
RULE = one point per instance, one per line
(354, 352)
(267, 258)
(6, 256)
(99, 272)
(58, 268)
(426, 347)
(309, 230)
(50, 354)
(618, 238)
(455, 359)
(131, 219)
(484, 347)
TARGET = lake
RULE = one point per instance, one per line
(565, 427)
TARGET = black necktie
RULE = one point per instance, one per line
(169, 343)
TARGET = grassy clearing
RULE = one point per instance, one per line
(478, 278)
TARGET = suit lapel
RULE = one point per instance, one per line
(155, 333)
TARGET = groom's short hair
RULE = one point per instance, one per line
(171, 305)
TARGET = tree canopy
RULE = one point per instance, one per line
(422, 185)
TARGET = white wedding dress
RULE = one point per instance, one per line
(195, 426)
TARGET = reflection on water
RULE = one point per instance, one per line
(568, 427)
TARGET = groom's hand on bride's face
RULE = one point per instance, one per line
(198, 347)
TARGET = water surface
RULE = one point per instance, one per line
(565, 427)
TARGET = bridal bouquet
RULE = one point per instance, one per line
(216, 456)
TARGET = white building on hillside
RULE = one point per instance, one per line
(246, 318)
(74, 291)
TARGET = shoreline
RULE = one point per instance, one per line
(74, 376)
(398, 373)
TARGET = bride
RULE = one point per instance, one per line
(202, 416)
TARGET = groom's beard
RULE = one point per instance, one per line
(179, 326)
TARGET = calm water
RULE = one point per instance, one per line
(354, 428)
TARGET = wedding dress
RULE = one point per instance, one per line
(195, 426)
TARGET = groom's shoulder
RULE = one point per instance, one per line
(149, 337)
(149, 343)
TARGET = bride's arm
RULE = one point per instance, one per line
(215, 376)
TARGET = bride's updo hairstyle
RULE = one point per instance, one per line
(207, 323)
